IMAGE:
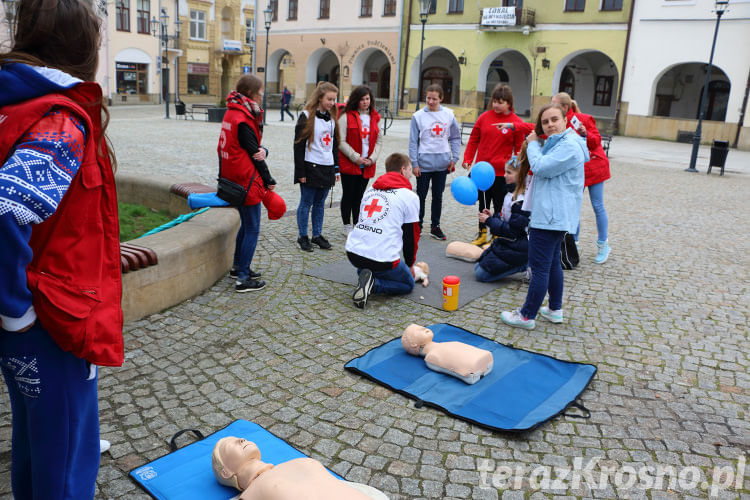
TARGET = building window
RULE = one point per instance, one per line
(292, 10)
(122, 14)
(197, 81)
(433, 8)
(512, 3)
(198, 24)
(603, 91)
(144, 13)
(389, 8)
(575, 5)
(365, 9)
(611, 4)
(455, 6)
(325, 9)
(274, 4)
(131, 78)
(249, 31)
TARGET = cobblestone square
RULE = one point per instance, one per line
(665, 320)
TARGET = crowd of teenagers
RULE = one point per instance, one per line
(60, 312)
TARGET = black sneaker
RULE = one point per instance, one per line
(249, 285)
(364, 288)
(321, 242)
(304, 243)
(437, 233)
(233, 274)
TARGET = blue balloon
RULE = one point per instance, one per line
(464, 190)
(484, 175)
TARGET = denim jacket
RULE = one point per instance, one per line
(558, 181)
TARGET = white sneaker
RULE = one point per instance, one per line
(515, 318)
(104, 445)
(551, 315)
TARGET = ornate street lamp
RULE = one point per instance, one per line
(161, 25)
(268, 14)
(721, 7)
(424, 11)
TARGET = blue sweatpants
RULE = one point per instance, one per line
(53, 397)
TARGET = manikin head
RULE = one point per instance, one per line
(236, 462)
(415, 338)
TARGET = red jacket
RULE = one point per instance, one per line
(491, 144)
(235, 162)
(597, 169)
(354, 139)
(74, 275)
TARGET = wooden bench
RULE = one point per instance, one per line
(685, 136)
(466, 128)
(134, 257)
(199, 108)
(606, 140)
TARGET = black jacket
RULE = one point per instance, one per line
(511, 247)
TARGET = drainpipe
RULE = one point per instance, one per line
(398, 59)
(406, 48)
(742, 113)
(624, 66)
(177, 57)
(255, 36)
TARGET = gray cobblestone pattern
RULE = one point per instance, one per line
(665, 320)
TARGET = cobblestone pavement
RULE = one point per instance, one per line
(665, 320)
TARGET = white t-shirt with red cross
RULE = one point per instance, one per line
(365, 132)
(319, 150)
(434, 130)
(377, 235)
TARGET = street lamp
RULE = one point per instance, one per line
(424, 11)
(268, 14)
(161, 25)
(721, 7)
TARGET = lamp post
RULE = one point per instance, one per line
(161, 25)
(721, 7)
(424, 11)
(268, 14)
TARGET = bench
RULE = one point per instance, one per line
(134, 257)
(466, 128)
(199, 108)
(685, 136)
(606, 140)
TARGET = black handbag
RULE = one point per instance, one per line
(569, 252)
(231, 192)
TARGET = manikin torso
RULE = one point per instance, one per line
(301, 478)
(463, 361)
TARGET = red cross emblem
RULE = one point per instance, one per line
(326, 139)
(373, 207)
(365, 132)
(437, 129)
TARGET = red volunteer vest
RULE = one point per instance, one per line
(354, 139)
(74, 275)
(236, 164)
(597, 168)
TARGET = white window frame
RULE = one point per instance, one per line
(249, 30)
(197, 24)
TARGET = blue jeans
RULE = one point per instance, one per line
(596, 195)
(315, 198)
(396, 281)
(55, 419)
(247, 239)
(438, 186)
(486, 277)
(546, 271)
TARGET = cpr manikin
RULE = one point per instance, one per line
(463, 361)
(236, 463)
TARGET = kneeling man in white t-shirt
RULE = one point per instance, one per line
(388, 223)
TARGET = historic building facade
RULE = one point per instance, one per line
(342, 41)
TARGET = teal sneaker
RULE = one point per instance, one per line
(515, 318)
(551, 315)
(603, 254)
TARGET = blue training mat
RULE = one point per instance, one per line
(524, 389)
(187, 474)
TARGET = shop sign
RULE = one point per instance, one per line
(499, 16)
(232, 46)
(198, 69)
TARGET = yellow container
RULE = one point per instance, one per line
(450, 292)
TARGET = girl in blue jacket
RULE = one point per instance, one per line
(558, 172)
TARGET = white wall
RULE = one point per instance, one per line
(670, 32)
